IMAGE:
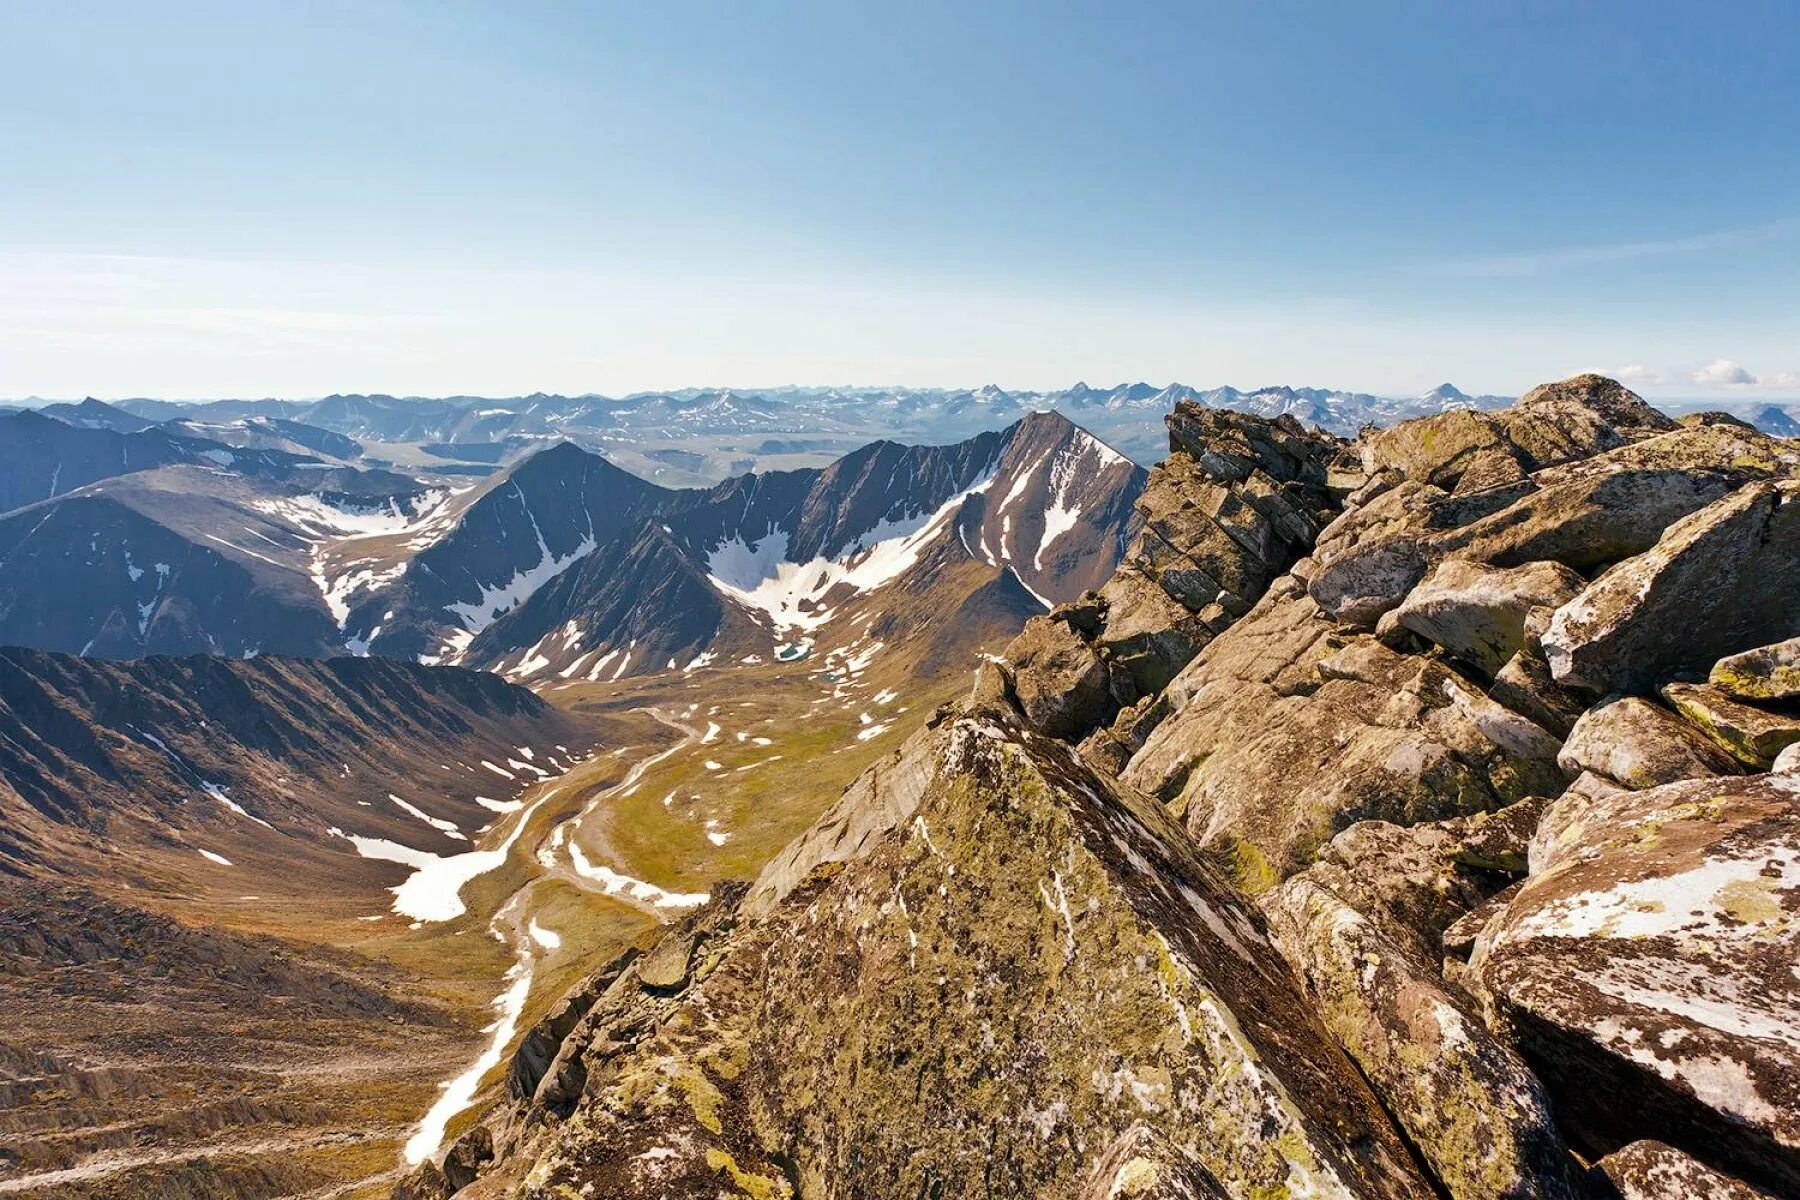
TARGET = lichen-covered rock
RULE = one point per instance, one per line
(1717, 582)
(1405, 880)
(1439, 449)
(1763, 674)
(1025, 984)
(1787, 762)
(1477, 613)
(1284, 732)
(1754, 736)
(1639, 744)
(1650, 1170)
(1650, 969)
(467, 1155)
(1476, 1112)
(1147, 634)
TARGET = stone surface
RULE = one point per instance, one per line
(1765, 673)
(1477, 613)
(1754, 736)
(1474, 1110)
(1640, 744)
(1283, 732)
(1060, 680)
(1526, 686)
(1717, 582)
(1650, 969)
(1654, 1171)
(1026, 983)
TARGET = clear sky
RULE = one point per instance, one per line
(431, 198)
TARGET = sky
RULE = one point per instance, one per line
(249, 199)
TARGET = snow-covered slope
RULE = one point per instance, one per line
(770, 565)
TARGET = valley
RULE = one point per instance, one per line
(629, 807)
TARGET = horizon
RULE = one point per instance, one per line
(248, 200)
(1677, 398)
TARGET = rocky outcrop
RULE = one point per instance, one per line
(1235, 503)
(1430, 700)
(1020, 980)
(1475, 1111)
(1288, 729)
(1651, 956)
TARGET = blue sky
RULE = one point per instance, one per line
(251, 199)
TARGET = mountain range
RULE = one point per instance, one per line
(1405, 815)
(562, 562)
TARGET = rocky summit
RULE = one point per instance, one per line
(1416, 815)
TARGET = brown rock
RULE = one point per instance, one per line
(1060, 681)
(1477, 613)
(1717, 582)
(1468, 1103)
(1651, 956)
(1654, 1171)
(468, 1154)
(1639, 744)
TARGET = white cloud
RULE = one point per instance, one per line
(1635, 375)
(1722, 372)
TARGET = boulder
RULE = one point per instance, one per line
(1477, 613)
(1787, 762)
(1651, 973)
(1639, 744)
(1579, 417)
(1474, 1110)
(1763, 674)
(1654, 1171)
(468, 1155)
(1753, 735)
(1147, 634)
(1357, 588)
(1438, 450)
(1717, 582)
(424, 1182)
(1060, 681)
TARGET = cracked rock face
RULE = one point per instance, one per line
(1651, 969)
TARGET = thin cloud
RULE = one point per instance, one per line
(1635, 375)
(1543, 262)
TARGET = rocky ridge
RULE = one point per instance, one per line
(1407, 816)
